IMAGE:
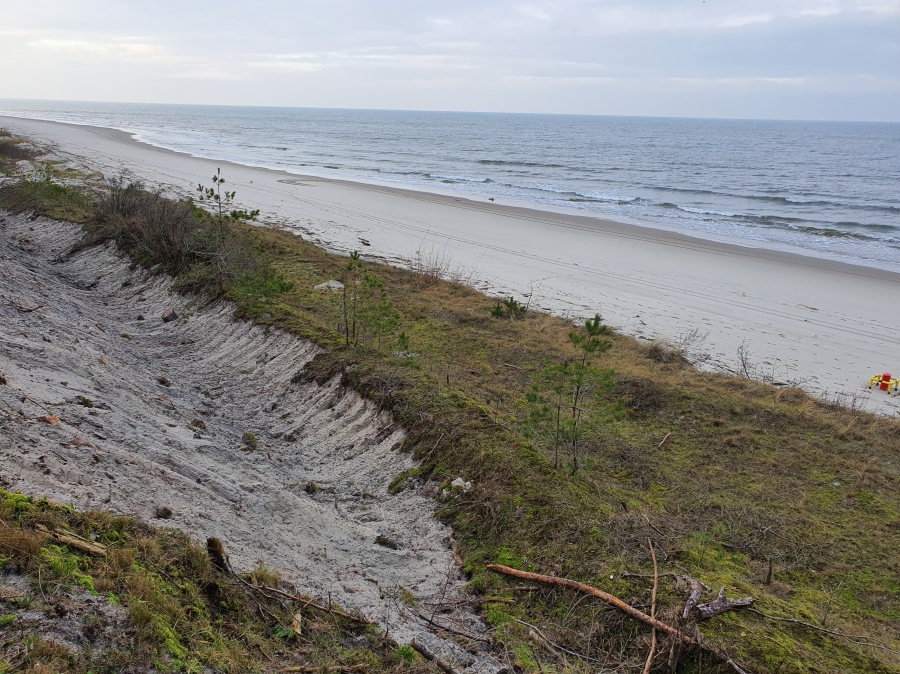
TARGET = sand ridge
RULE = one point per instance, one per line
(169, 404)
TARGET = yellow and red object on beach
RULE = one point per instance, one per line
(886, 381)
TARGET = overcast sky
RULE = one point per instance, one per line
(784, 59)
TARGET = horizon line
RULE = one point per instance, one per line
(440, 111)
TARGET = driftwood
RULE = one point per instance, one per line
(678, 636)
(74, 541)
(431, 657)
(720, 605)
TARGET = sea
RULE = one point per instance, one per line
(829, 189)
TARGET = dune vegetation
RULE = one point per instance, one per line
(583, 447)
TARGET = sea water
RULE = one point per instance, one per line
(831, 188)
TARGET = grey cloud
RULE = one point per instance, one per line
(761, 58)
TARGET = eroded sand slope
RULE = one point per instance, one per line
(62, 322)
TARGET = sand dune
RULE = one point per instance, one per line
(824, 322)
(106, 406)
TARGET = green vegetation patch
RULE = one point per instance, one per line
(183, 613)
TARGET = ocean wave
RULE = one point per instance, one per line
(461, 179)
(531, 164)
(844, 200)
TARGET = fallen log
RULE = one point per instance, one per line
(720, 605)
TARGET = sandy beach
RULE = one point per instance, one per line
(801, 318)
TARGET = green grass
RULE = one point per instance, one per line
(748, 473)
(186, 614)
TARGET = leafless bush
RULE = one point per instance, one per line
(171, 234)
(663, 353)
(15, 148)
(430, 265)
(154, 229)
(852, 401)
(773, 371)
(691, 344)
(687, 346)
(746, 368)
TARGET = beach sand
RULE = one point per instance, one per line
(829, 324)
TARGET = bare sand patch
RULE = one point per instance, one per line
(107, 406)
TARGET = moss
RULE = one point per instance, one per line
(187, 615)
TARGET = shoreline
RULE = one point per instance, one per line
(131, 137)
(804, 317)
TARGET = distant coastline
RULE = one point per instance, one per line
(681, 192)
(803, 315)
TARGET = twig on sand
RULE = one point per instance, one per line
(333, 611)
(440, 626)
(431, 657)
(28, 310)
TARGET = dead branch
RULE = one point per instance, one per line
(332, 611)
(614, 601)
(541, 641)
(557, 646)
(327, 668)
(720, 605)
(467, 635)
(863, 640)
(663, 440)
(587, 589)
(649, 662)
(696, 590)
(431, 657)
(74, 541)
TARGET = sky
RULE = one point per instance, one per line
(770, 59)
